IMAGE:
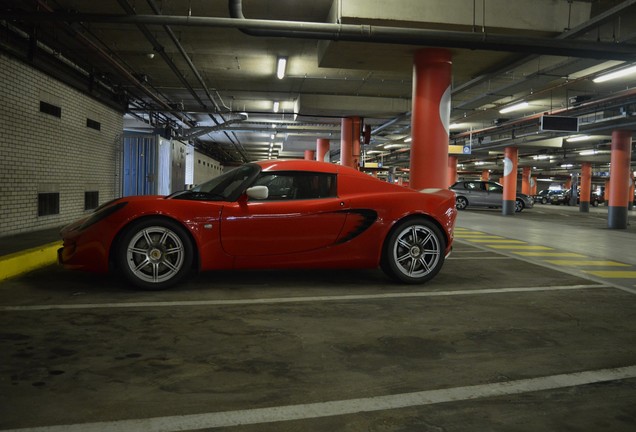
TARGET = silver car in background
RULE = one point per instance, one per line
(480, 193)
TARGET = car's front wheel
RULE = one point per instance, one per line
(155, 253)
(461, 203)
(544, 200)
(414, 251)
(519, 206)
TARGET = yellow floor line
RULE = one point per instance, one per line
(24, 261)
(616, 274)
(519, 247)
(477, 236)
(551, 254)
(577, 263)
(508, 241)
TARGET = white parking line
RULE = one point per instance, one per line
(297, 299)
(344, 407)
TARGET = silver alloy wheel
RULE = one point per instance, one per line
(155, 254)
(518, 205)
(461, 203)
(416, 251)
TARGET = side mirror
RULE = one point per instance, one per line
(258, 192)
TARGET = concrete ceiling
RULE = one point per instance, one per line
(200, 78)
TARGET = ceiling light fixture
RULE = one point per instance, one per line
(515, 107)
(587, 152)
(578, 138)
(616, 74)
(276, 106)
(281, 67)
(408, 139)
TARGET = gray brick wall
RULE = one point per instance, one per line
(42, 153)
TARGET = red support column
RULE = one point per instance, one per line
(510, 180)
(533, 186)
(619, 179)
(586, 187)
(322, 150)
(630, 203)
(355, 153)
(346, 142)
(485, 175)
(606, 192)
(430, 117)
(568, 184)
(525, 181)
(310, 155)
(452, 170)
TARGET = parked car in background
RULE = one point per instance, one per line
(545, 196)
(563, 197)
(480, 193)
(269, 214)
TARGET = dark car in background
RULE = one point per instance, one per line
(563, 197)
(545, 196)
(480, 193)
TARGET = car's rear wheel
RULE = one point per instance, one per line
(461, 203)
(414, 251)
(155, 254)
(544, 200)
(519, 206)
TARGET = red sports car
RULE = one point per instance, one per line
(270, 214)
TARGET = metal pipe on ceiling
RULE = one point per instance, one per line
(363, 33)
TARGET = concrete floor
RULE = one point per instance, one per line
(498, 341)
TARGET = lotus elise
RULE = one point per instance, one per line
(267, 215)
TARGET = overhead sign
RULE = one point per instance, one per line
(559, 123)
(459, 149)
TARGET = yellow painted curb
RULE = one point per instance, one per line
(21, 262)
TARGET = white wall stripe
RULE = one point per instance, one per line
(344, 407)
(295, 299)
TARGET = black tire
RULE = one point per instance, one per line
(154, 254)
(461, 203)
(414, 251)
(519, 206)
(544, 200)
(595, 203)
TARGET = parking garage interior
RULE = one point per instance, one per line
(528, 326)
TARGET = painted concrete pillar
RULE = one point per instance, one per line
(452, 170)
(356, 149)
(310, 155)
(619, 179)
(630, 204)
(346, 142)
(568, 184)
(606, 192)
(430, 117)
(322, 150)
(510, 180)
(533, 186)
(525, 180)
(485, 175)
(586, 187)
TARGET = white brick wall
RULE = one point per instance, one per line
(43, 153)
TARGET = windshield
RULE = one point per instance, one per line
(230, 185)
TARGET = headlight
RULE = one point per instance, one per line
(101, 213)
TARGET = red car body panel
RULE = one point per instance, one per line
(347, 231)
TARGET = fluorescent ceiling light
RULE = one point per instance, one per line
(408, 139)
(515, 107)
(276, 106)
(390, 146)
(540, 157)
(567, 166)
(578, 138)
(616, 74)
(281, 67)
(587, 152)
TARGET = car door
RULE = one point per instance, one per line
(475, 193)
(302, 213)
(494, 194)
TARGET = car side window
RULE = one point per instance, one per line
(472, 186)
(494, 187)
(297, 185)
